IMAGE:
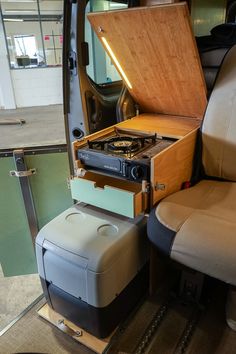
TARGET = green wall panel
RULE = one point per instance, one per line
(49, 186)
(51, 196)
(16, 248)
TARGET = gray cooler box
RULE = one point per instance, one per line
(93, 266)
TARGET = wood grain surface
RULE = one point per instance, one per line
(166, 125)
(157, 51)
(173, 166)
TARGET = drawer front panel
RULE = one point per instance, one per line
(113, 199)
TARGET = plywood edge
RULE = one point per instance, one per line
(96, 344)
(131, 9)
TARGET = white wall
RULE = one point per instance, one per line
(7, 99)
(37, 87)
(33, 28)
(30, 87)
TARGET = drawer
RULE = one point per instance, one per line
(121, 197)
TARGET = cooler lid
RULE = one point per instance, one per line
(154, 50)
(91, 238)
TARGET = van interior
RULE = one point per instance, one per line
(144, 261)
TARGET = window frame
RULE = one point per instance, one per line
(107, 84)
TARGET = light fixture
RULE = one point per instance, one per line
(116, 62)
(17, 1)
(18, 11)
(13, 20)
(116, 5)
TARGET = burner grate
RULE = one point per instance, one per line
(122, 144)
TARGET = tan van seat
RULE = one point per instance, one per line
(197, 226)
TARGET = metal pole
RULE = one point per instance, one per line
(23, 174)
(41, 30)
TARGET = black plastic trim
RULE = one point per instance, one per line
(65, 55)
(159, 235)
(36, 150)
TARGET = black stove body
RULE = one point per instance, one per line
(124, 154)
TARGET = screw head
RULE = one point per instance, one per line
(100, 29)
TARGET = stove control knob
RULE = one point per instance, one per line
(136, 172)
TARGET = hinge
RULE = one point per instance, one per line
(80, 172)
(160, 187)
(145, 187)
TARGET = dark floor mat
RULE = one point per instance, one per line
(208, 335)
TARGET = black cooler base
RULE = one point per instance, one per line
(100, 322)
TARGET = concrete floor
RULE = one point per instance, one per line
(43, 126)
(17, 293)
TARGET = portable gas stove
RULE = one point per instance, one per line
(124, 153)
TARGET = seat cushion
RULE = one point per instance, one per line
(200, 225)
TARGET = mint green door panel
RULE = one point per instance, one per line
(16, 248)
(113, 199)
(49, 185)
(51, 196)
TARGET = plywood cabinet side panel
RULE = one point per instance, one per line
(172, 167)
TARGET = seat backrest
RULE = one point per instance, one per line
(219, 125)
(211, 61)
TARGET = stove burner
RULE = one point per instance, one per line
(123, 144)
(124, 154)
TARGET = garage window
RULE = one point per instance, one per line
(33, 32)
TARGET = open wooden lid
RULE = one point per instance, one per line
(155, 52)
